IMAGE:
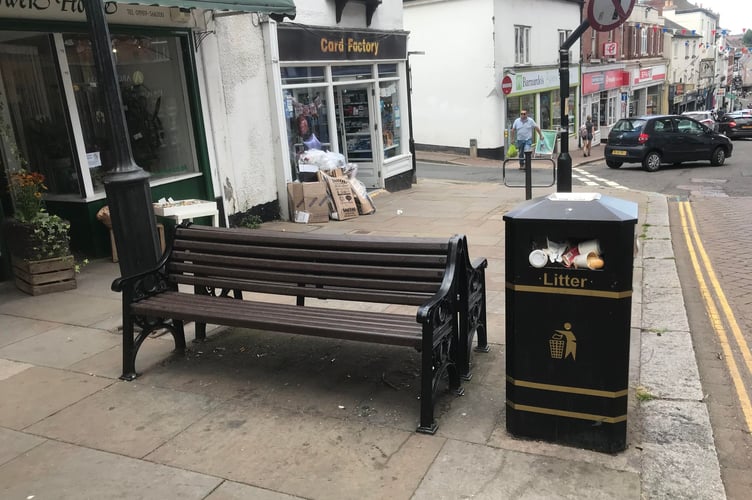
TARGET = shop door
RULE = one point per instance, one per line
(356, 128)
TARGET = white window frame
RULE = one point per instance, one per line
(521, 44)
(643, 41)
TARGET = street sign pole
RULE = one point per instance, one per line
(564, 161)
(602, 15)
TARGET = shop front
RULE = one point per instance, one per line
(538, 92)
(604, 99)
(345, 91)
(51, 108)
(647, 88)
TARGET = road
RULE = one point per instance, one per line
(710, 211)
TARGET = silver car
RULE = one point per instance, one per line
(704, 117)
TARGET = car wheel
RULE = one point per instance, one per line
(652, 162)
(718, 157)
(613, 163)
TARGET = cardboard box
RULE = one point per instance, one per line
(341, 195)
(308, 202)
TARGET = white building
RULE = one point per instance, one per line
(470, 47)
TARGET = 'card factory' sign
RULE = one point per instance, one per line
(320, 44)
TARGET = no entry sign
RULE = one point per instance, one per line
(506, 84)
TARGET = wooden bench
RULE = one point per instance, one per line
(205, 272)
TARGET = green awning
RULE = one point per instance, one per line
(277, 9)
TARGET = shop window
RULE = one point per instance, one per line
(302, 74)
(35, 129)
(340, 73)
(517, 104)
(307, 122)
(387, 70)
(545, 111)
(153, 90)
(391, 121)
(555, 122)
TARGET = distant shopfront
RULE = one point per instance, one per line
(52, 108)
(538, 92)
(604, 98)
(646, 88)
(347, 87)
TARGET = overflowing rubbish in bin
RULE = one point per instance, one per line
(583, 254)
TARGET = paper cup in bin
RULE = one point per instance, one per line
(588, 247)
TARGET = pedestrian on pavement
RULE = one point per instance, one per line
(588, 135)
(523, 133)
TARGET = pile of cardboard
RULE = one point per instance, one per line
(335, 196)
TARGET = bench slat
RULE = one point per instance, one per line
(251, 314)
(334, 269)
(335, 255)
(298, 278)
(384, 297)
(375, 243)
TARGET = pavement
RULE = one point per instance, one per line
(253, 414)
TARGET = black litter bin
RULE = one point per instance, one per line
(569, 260)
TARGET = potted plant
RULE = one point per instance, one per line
(39, 243)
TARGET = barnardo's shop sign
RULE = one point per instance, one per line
(297, 43)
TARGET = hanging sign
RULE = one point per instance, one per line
(605, 15)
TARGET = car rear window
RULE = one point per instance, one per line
(629, 125)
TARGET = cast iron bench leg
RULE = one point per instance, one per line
(129, 351)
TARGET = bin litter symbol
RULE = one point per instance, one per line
(563, 343)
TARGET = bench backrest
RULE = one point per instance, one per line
(351, 267)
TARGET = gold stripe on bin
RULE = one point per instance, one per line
(569, 291)
(564, 388)
(568, 414)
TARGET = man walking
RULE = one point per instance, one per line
(523, 133)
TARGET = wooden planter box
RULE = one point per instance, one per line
(45, 276)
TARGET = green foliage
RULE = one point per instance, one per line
(50, 237)
(747, 39)
(250, 221)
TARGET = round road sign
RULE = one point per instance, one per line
(605, 15)
(506, 84)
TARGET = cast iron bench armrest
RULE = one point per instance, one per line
(472, 292)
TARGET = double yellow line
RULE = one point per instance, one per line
(695, 247)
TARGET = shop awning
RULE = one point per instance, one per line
(277, 9)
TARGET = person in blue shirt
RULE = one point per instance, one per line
(523, 133)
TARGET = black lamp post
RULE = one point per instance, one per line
(411, 140)
(126, 184)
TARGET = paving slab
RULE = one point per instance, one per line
(36, 393)
(467, 470)
(15, 328)
(230, 490)
(60, 347)
(127, 418)
(66, 472)
(16, 443)
(297, 454)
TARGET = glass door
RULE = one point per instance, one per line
(355, 128)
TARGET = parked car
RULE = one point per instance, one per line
(705, 117)
(736, 124)
(656, 139)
